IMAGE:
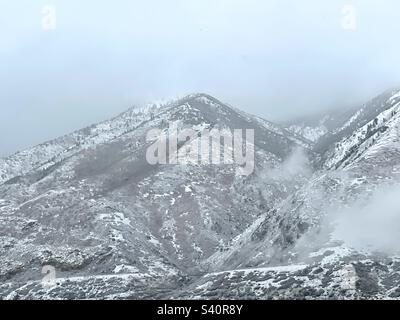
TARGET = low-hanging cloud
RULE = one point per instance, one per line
(257, 55)
(296, 165)
(372, 224)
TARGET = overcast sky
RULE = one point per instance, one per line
(277, 59)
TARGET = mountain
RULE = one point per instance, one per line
(342, 132)
(90, 204)
(112, 225)
(313, 127)
(336, 236)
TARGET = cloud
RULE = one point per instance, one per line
(296, 165)
(372, 224)
(256, 55)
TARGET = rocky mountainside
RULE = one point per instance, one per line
(90, 204)
(315, 126)
(114, 226)
(343, 222)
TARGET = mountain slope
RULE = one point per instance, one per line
(114, 226)
(344, 208)
(90, 204)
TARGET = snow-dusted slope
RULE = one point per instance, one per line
(343, 206)
(370, 134)
(47, 154)
(114, 226)
(309, 132)
(314, 127)
(90, 204)
(330, 127)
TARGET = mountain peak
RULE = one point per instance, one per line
(198, 97)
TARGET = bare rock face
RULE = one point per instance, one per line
(110, 225)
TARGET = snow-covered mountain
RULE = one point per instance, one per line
(343, 222)
(114, 226)
(90, 204)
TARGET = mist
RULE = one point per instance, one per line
(294, 167)
(368, 222)
(276, 59)
(373, 224)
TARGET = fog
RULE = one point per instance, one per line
(373, 224)
(369, 222)
(67, 64)
(295, 166)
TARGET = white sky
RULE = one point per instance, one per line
(278, 59)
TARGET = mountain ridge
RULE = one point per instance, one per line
(114, 226)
